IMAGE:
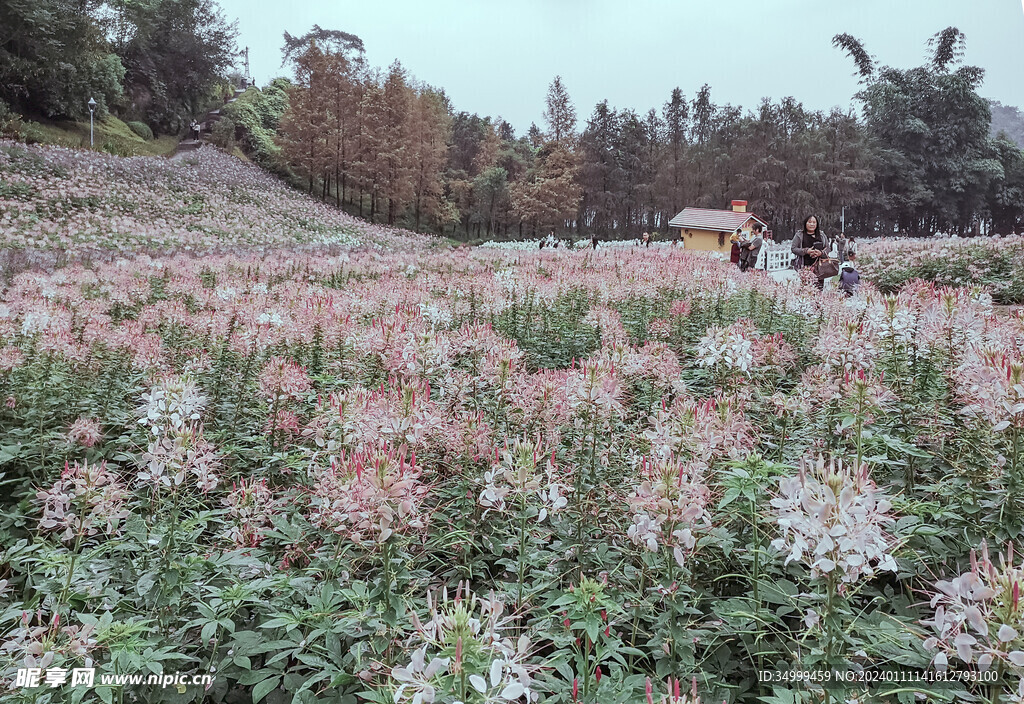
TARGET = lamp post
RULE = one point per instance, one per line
(92, 109)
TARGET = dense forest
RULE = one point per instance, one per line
(158, 63)
(916, 156)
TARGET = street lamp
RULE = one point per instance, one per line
(92, 109)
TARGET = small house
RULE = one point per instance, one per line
(708, 230)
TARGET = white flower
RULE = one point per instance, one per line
(832, 518)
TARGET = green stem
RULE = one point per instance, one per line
(71, 570)
(522, 548)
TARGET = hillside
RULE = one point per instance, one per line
(78, 203)
(111, 135)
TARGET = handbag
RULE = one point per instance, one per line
(826, 268)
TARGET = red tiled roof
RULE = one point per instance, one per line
(716, 220)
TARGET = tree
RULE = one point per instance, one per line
(303, 138)
(429, 129)
(551, 198)
(600, 171)
(54, 58)
(175, 53)
(1006, 198)
(935, 164)
(560, 113)
(672, 171)
(330, 41)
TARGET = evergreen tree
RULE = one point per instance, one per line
(560, 113)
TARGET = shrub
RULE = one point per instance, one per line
(257, 114)
(223, 134)
(10, 122)
(141, 129)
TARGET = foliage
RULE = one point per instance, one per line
(54, 58)
(174, 53)
(223, 133)
(110, 134)
(1007, 120)
(257, 114)
(991, 262)
(141, 129)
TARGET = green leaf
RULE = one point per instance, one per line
(208, 632)
(264, 688)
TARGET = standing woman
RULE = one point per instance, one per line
(734, 254)
(810, 244)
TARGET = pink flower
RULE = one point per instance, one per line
(282, 379)
(369, 495)
(85, 432)
(670, 507)
(251, 507)
(85, 501)
(978, 617)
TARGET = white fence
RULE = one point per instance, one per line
(775, 257)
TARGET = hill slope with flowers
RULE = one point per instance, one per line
(80, 204)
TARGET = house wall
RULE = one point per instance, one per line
(704, 240)
(707, 240)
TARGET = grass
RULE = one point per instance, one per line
(111, 135)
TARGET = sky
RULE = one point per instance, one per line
(497, 57)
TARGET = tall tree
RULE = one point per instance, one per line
(175, 52)
(935, 164)
(430, 125)
(559, 113)
(600, 170)
(672, 172)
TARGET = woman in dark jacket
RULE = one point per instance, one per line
(809, 244)
(734, 254)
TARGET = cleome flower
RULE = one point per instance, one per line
(990, 384)
(979, 617)
(369, 495)
(85, 501)
(172, 404)
(48, 643)
(250, 507)
(172, 458)
(283, 379)
(85, 432)
(675, 693)
(462, 656)
(832, 518)
(522, 475)
(728, 347)
(670, 507)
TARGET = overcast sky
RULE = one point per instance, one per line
(496, 57)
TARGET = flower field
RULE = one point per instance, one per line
(58, 204)
(390, 473)
(992, 262)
